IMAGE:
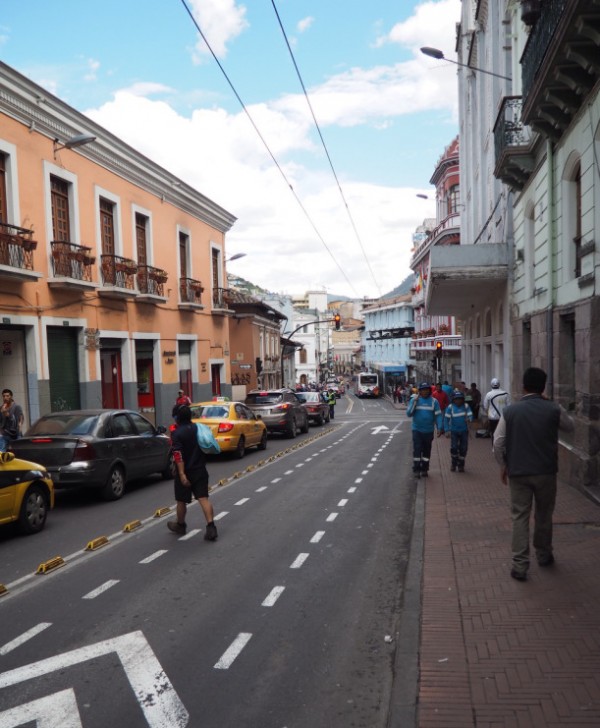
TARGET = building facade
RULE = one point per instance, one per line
(111, 269)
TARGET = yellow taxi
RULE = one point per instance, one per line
(26, 493)
(234, 425)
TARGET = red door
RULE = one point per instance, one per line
(215, 375)
(112, 379)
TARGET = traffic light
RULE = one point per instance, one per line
(439, 347)
(337, 318)
(258, 365)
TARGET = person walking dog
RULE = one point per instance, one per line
(526, 447)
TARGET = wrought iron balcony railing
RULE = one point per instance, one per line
(190, 290)
(71, 260)
(16, 246)
(118, 271)
(220, 298)
(539, 41)
(509, 130)
(151, 281)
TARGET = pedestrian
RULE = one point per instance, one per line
(11, 420)
(395, 394)
(475, 400)
(191, 475)
(441, 396)
(182, 401)
(526, 447)
(331, 402)
(456, 421)
(448, 389)
(426, 417)
(493, 405)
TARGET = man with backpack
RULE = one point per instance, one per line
(191, 475)
(493, 405)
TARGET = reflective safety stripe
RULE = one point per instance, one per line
(427, 407)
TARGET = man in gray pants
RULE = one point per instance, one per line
(526, 447)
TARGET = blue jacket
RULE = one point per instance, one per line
(426, 414)
(457, 417)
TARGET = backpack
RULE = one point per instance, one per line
(206, 440)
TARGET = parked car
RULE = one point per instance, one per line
(26, 493)
(315, 406)
(234, 425)
(100, 448)
(279, 409)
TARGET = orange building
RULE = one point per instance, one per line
(112, 272)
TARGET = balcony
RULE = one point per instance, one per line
(71, 265)
(219, 301)
(464, 279)
(190, 294)
(118, 276)
(560, 64)
(151, 283)
(447, 232)
(16, 253)
(513, 142)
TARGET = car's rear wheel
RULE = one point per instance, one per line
(291, 430)
(240, 450)
(34, 509)
(115, 484)
(320, 420)
(262, 445)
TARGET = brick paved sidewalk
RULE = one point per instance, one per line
(496, 652)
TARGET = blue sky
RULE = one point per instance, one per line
(386, 113)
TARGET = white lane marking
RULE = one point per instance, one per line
(153, 556)
(58, 710)
(370, 465)
(18, 641)
(241, 502)
(352, 490)
(101, 589)
(317, 537)
(358, 480)
(365, 472)
(342, 503)
(220, 515)
(152, 688)
(233, 651)
(373, 460)
(308, 460)
(298, 561)
(273, 596)
(190, 534)
(275, 480)
(300, 465)
(331, 517)
(288, 472)
(260, 490)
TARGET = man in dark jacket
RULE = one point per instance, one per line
(191, 476)
(526, 447)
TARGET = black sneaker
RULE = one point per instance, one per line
(546, 560)
(518, 575)
(211, 532)
(179, 528)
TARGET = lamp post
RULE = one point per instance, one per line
(75, 141)
(237, 256)
(439, 56)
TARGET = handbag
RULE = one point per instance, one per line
(206, 440)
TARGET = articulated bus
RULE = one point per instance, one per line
(367, 385)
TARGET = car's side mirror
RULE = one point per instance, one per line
(161, 429)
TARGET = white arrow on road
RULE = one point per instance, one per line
(378, 429)
(156, 695)
(54, 711)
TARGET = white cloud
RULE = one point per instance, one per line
(304, 24)
(221, 21)
(92, 66)
(219, 153)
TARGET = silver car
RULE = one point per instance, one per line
(279, 409)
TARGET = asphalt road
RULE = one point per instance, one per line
(289, 620)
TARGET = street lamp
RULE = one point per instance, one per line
(439, 56)
(75, 141)
(237, 256)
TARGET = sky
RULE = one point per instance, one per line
(385, 113)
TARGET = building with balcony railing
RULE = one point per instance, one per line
(102, 258)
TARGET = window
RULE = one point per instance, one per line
(61, 219)
(303, 358)
(3, 188)
(577, 236)
(107, 226)
(142, 425)
(216, 273)
(141, 238)
(183, 252)
(453, 199)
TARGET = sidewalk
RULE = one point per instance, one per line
(495, 652)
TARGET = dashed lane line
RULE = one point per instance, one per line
(317, 537)
(190, 534)
(273, 596)
(233, 651)
(331, 517)
(342, 503)
(241, 502)
(299, 561)
(153, 556)
(25, 637)
(101, 589)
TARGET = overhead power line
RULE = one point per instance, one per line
(368, 262)
(275, 162)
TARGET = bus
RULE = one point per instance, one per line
(367, 385)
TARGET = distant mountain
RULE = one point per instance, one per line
(402, 289)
